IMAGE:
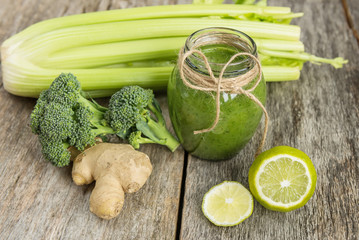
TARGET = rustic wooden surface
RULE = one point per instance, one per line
(318, 114)
(351, 8)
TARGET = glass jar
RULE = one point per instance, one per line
(192, 109)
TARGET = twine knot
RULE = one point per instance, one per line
(234, 85)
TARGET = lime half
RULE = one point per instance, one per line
(227, 204)
(282, 179)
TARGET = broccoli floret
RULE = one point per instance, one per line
(55, 151)
(63, 117)
(57, 122)
(88, 125)
(38, 112)
(66, 89)
(134, 109)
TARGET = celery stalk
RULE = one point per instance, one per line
(280, 45)
(98, 55)
(277, 61)
(26, 79)
(302, 56)
(166, 11)
(128, 51)
(142, 29)
(278, 73)
(271, 74)
(111, 49)
(29, 80)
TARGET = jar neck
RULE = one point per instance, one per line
(219, 45)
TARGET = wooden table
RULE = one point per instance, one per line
(318, 114)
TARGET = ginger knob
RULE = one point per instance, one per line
(116, 168)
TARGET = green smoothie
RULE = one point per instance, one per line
(192, 110)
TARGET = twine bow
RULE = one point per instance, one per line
(232, 85)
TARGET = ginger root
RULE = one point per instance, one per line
(116, 168)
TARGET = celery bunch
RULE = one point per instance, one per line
(111, 49)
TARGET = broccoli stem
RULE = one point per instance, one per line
(142, 140)
(66, 145)
(158, 133)
(95, 108)
(98, 119)
(155, 109)
(103, 130)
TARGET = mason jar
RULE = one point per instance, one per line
(192, 109)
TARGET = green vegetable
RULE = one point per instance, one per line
(150, 12)
(63, 117)
(135, 139)
(111, 49)
(244, 2)
(303, 57)
(167, 48)
(207, 1)
(134, 109)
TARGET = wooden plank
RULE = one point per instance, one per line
(352, 11)
(40, 201)
(353, 7)
(318, 114)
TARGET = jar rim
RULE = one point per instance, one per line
(220, 30)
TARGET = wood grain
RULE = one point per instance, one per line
(317, 114)
(352, 14)
(40, 201)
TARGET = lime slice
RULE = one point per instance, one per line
(227, 204)
(282, 179)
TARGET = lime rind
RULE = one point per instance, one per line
(222, 191)
(271, 155)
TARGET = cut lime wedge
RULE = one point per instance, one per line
(282, 178)
(227, 204)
